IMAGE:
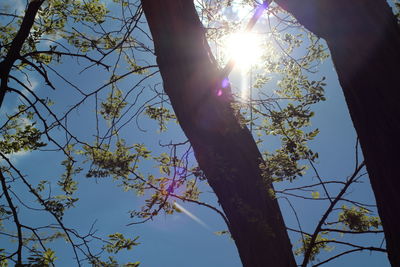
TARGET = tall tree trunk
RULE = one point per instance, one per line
(225, 150)
(364, 40)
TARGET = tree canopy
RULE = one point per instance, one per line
(81, 94)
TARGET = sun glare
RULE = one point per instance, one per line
(191, 215)
(244, 48)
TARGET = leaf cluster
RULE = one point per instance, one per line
(357, 219)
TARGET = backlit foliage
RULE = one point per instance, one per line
(321, 243)
(106, 41)
(357, 219)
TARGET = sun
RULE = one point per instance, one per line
(244, 48)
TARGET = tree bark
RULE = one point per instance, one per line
(364, 40)
(225, 149)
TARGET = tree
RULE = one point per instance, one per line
(206, 112)
(372, 42)
(369, 83)
(225, 150)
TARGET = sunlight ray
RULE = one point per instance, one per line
(191, 215)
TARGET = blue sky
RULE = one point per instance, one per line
(178, 240)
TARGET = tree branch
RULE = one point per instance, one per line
(16, 45)
(15, 216)
(308, 251)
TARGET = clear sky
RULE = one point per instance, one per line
(180, 240)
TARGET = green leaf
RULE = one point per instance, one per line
(315, 194)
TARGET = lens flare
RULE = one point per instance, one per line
(244, 48)
(191, 215)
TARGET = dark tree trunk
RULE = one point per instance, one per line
(225, 150)
(364, 40)
(13, 53)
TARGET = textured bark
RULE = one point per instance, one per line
(364, 40)
(225, 150)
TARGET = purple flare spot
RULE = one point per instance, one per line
(225, 83)
(219, 92)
